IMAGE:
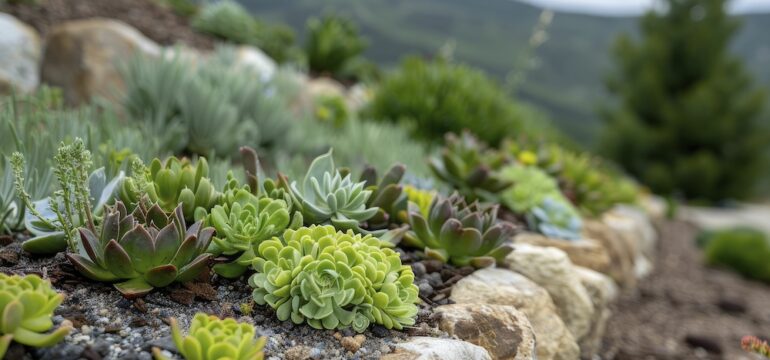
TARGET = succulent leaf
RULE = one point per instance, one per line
(210, 338)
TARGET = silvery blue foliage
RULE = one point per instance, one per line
(556, 219)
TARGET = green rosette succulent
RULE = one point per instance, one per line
(26, 306)
(326, 197)
(470, 167)
(387, 195)
(460, 233)
(556, 219)
(421, 198)
(172, 183)
(531, 186)
(242, 223)
(332, 279)
(211, 338)
(142, 250)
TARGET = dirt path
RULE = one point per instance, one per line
(685, 310)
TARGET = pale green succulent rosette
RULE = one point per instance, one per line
(332, 279)
(26, 307)
(211, 338)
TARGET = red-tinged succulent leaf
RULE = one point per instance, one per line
(118, 261)
(194, 268)
(393, 176)
(134, 288)
(467, 242)
(501, 252)
(204, 238)
(126, 224)
(194, 229)
(161, 276)
(387, 195)
(140, 248)
(111, 226)
(437, 254)
(186, 251)
(482, 262)
(178, 218)
(156, 216)
(421, 230)
(89, 269)
(369, 176)
(473, 220)
(166, 244)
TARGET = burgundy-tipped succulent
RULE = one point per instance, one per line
(142, 250)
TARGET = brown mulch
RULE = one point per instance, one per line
(157, 22)
(686, 310)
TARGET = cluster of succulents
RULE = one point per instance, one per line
(468, 166)
(556, 218)
(26, 306)
(387, 195)
(332, 279)
(145, 249)
(212, 338)
(460, 233)
(325, 196)
(530, 185)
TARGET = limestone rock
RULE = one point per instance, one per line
(637, 223)
(505, 287)
(551, 268)
(503, 331)
(622, 252)
(428, 348)
(583, 252)
(19, 56)
(602, 291)
(257, 60)
(83, 57)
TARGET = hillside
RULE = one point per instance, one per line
(493, 34)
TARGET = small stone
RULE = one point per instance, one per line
(432, 266)
(85, 330)
(379, 331)
(300, 352)
(418, 269)
(426, 290)
(353, 343)
(434, 279)
(704, 342)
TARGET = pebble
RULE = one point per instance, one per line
(353, 343)
(379, 331)
(425, 289)
(418, 269)
(433, 266)
(434, 279)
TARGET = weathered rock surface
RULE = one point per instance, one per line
(428, 348)
(637, 223)
(256, 59)
(551, 268)
(83, 57)
(587, 253)
(602, 291)
(621, 251)
(505, 287)
(503, 331)
(19, 56)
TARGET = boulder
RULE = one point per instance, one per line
(621, 251)
(602, 291)
(428, 348)
(551, 268)
(83, 57)
(502, 330)
(637, 223)
(256, 59)
(19, 56)
(504, 287)
(324, 86)
(583, 252)
(655, 206)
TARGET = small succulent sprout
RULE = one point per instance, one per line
(142, 250)
(460, 233)
(556, 219)
(26, 306)
(327, 197)
(332, 279)
(172, 183)
(241, 224)
(211, 338)
(470, 167)
(421, 198)
(387, 195)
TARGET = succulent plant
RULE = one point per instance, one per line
(334, 280)
(421, 198)
(470, 167)
(530, 186)
(26, 307)
(387, 195)
(326, 197)
(143, 250)
(211, 338)
(171, 183)
(460, 233)
(242, 223)
(556, 219)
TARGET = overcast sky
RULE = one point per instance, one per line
(634, 7)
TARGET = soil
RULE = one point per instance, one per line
(157, 22)
(685, 310)
(107, 326)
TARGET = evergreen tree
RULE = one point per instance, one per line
(687, 117)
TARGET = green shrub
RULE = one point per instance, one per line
(434, 98)
(332, 42)
(744, 250)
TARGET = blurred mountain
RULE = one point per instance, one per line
(570, 67)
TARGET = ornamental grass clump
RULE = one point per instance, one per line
(332, 280)
(211, 338)
(142, 250)
(325, 196)
(26, 306)
(460, 233)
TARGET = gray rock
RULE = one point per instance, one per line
(19, 56)
(427, 348)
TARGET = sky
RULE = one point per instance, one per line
(634, 7)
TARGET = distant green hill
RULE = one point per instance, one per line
(493, 35)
